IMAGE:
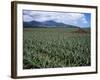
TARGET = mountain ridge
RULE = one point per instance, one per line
(46, 24)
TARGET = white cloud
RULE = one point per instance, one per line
(27, 18)
(84, 20)
(74, 16)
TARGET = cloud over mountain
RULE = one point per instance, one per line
(77, 19)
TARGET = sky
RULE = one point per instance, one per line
(71, 18)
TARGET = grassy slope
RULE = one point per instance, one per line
(55, 47)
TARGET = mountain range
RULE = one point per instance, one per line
(48, 24)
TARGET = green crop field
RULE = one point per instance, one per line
(55, 47)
